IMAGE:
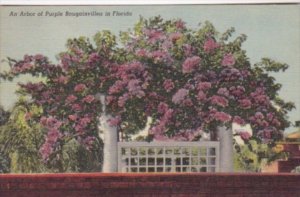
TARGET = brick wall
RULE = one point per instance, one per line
(288, 165)
(123, 185)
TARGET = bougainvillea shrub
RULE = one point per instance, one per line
(189, 81)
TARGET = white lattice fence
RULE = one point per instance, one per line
(168, 157)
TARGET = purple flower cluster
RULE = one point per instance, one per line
(259, 97)
(230, 74)
(135, 89)
(53, 134)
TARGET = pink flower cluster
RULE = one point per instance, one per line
(71, 98)
(259, 120)
(85, 121)
(223, 92)
(122, 100)
(238, 120)
(210, 45)
(88, 99)
(153, 35)
(259, 97)
(141, 53)
(162, 107)
(190, 64)
(80, 87)
(73, 117)
(135, 89)
(22, 68)
(201, 96)
(61, 80)
(76, 107)
(93, 58)
(117, 87)
(188, 50)
(222, 116)
(219, 100)
(47, 148)
(204, 86)
(52, 125)
(50, 122)
(160, 127)
(228, 60)
(245, 135)
(115, 121)
(245, 103)
(237, 91)
(180, 95)
(273, 120)
(81, 123)
(168, 85)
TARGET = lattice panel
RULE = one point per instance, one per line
(168, 157)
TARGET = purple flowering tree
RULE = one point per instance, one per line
(197, 80)
(189, 81)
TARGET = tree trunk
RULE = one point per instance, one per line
(110, 140)
(225, 137)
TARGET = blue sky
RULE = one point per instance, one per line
(273, 31)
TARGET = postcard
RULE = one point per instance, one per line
(150, 88)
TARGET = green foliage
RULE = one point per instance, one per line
(251, 156)
(20, 139)
(4, 115)
(75, 157)
(4, 163)
(104, 40)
